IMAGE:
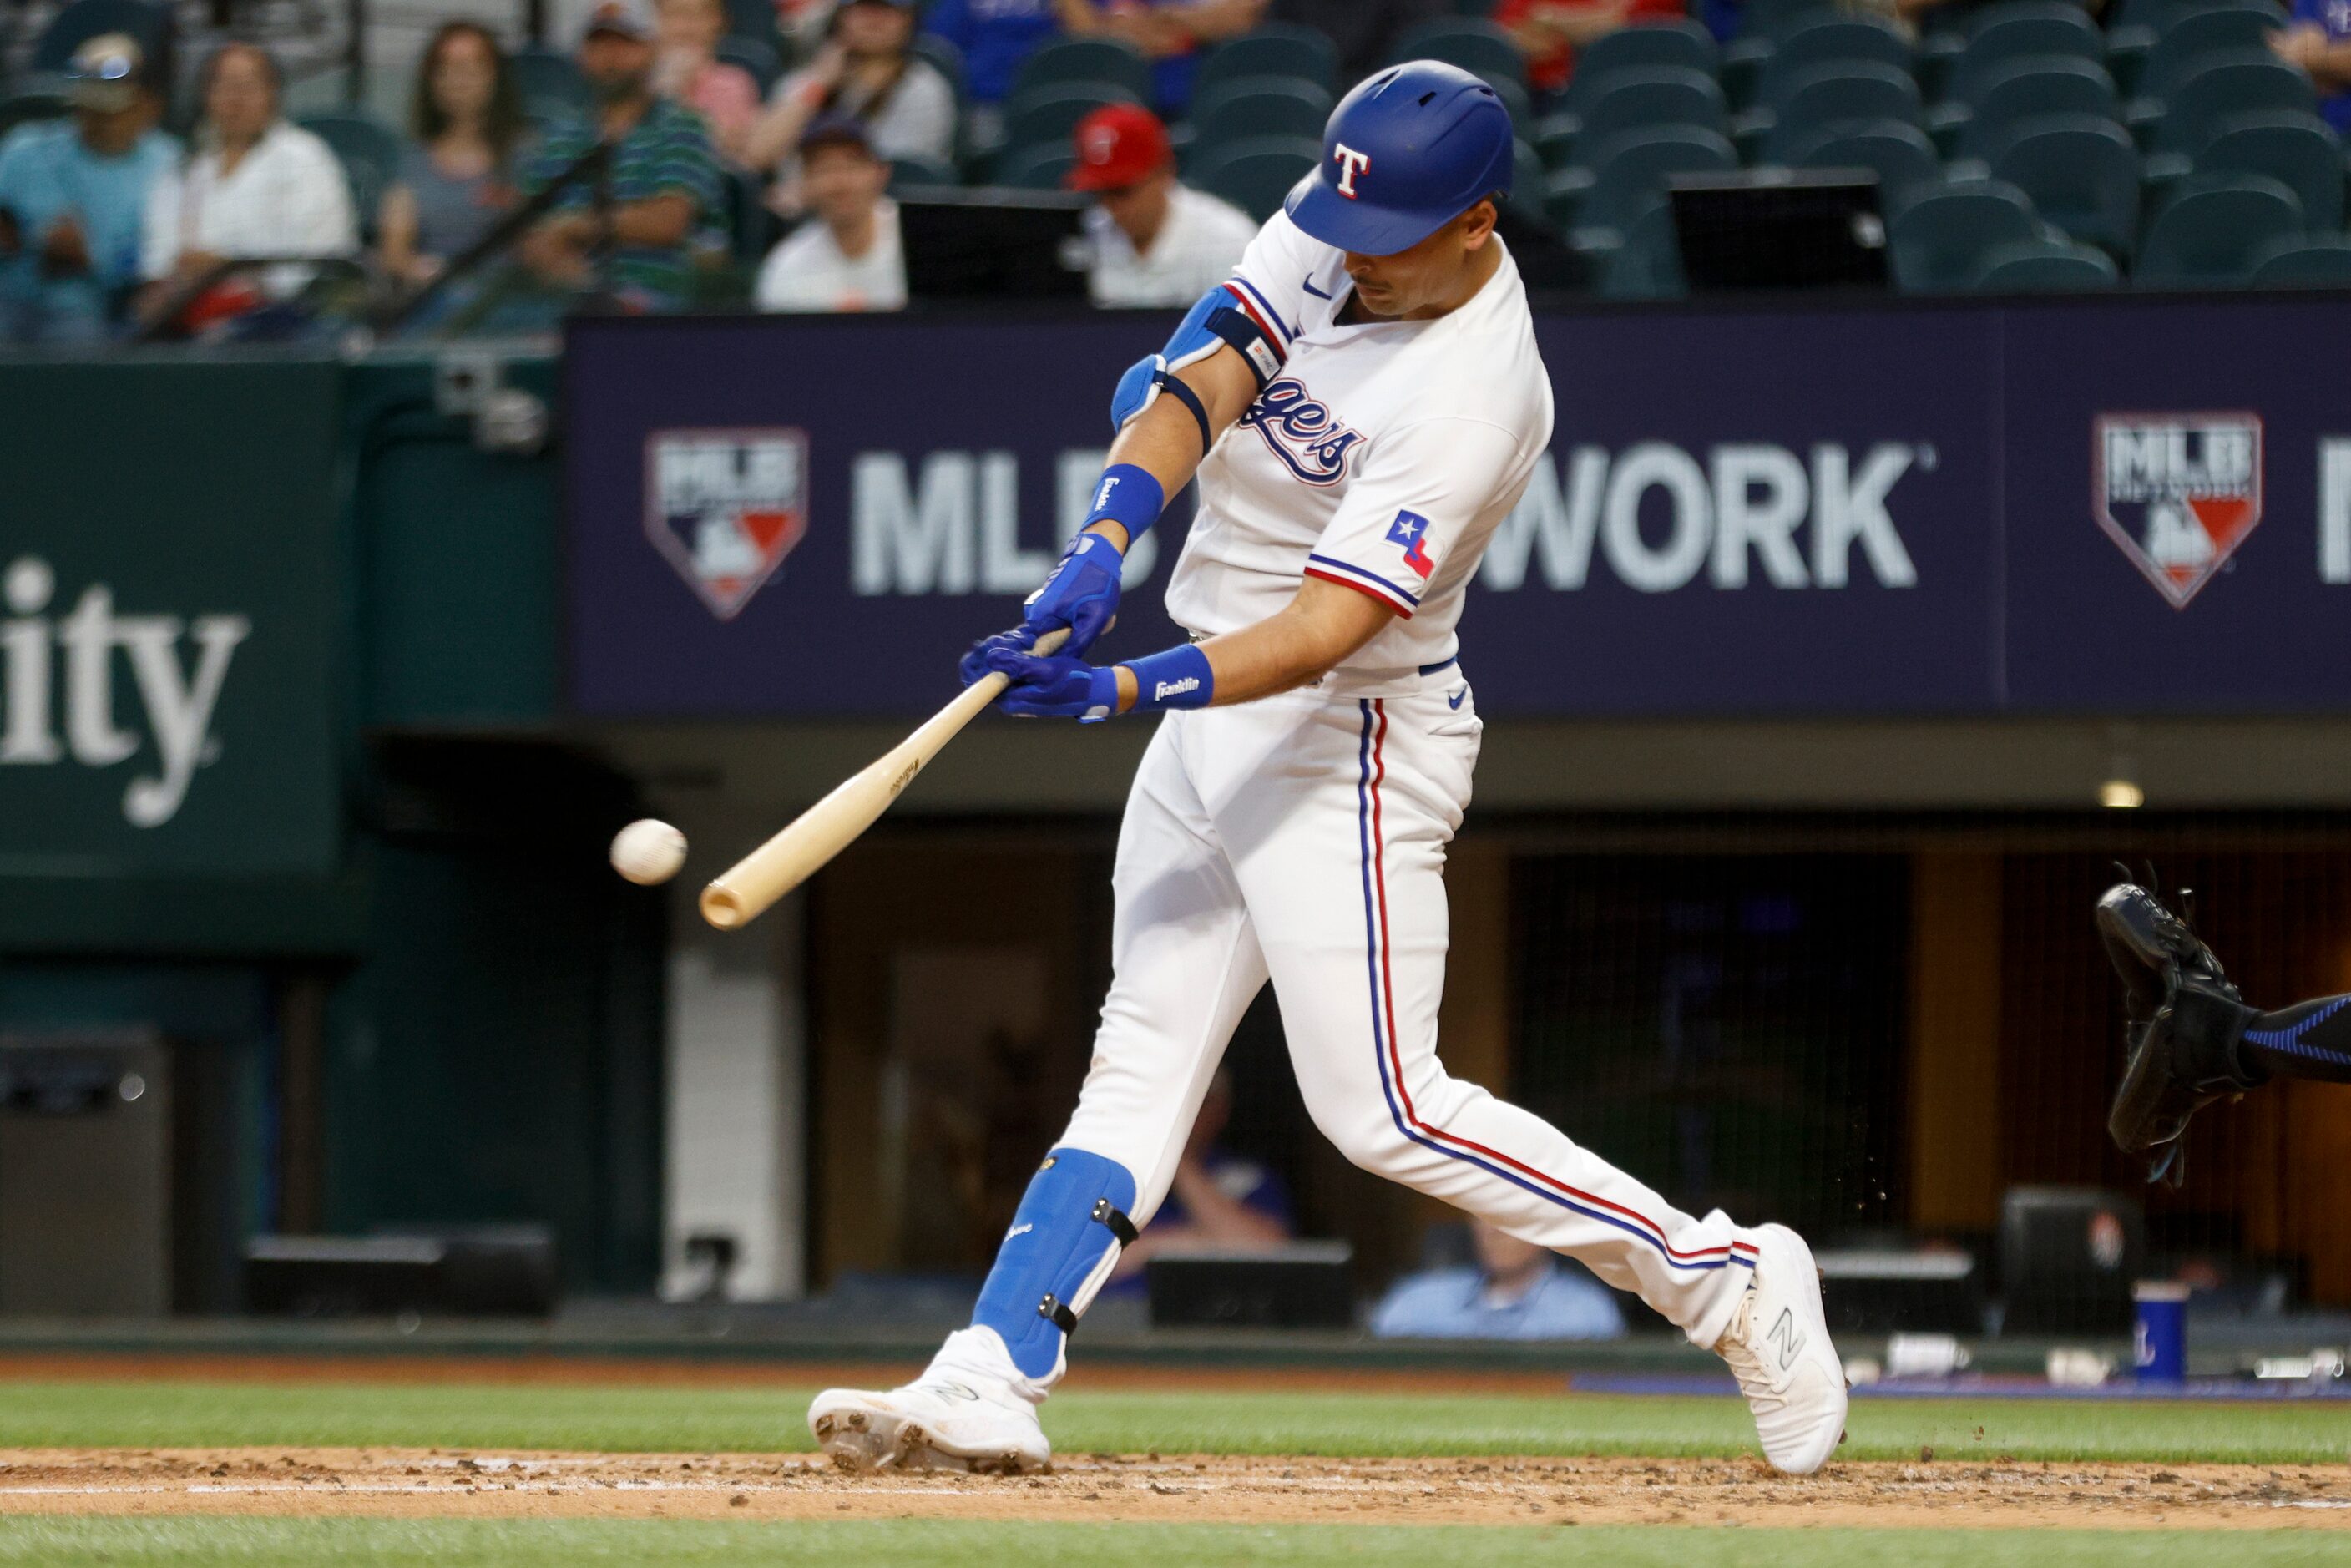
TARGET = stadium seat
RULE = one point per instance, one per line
(2305, 261)
(1681, 44)
(2045, 266)
(1089, 61)
(2030, 87)
(549, 83)
(752, 227)
(1051, 112)
(1259, 106)
(1775, 19)
(1900, 156)
(2184, 46)
(1256, 174)
(1832, 40)
(755, 56)
(2239, 84)
(82, 20)
(1939, 241)
(1473, 45)
(2082, 173)
(1647, 263)
(1041, 166)
(368, 153)
(1629, 173)
(1839, 98)
(20, 109)
(1555, 137)
(1663, 95)
(904, 172)
(2299, 150)
(2012, 32)
(1526, 180)
(1274, 49)
(2214, 229)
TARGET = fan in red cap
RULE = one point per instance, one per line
(1157, 241)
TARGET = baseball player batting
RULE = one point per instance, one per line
(1361, 402)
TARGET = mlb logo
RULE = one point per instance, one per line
(726, 506)
(2178, 492)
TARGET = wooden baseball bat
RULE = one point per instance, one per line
(752, 884)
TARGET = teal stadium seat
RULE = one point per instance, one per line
(1658, 95)
(1776, 19)
(2305, 261)
(1647, 264)
(2182, 48)
(1900, 156)
(1839, 98)
(2214, 230)
(1940, 241)
(1260, 106)
(1681, 44)
(911, 171)
(1050, 111)
(2035, 89)
(1555, 138)
(1473, 45)
(2046, 266)
(549, 84)
(1527, 182)
(2298, 150)
(1041, 166)
(368, 153)
(1256, 174)
(1832, 40)
(2019, 30)
(1629, 174)
(1088, 61)
(2082, 173)
(2242, 83)
(1274, 49)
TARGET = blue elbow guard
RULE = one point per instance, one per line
(1070, 1224)
(1217, 321)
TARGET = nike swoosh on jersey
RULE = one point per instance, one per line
(1453, 699)
(1312, 289)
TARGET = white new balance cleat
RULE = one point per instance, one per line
(1778, 1343)
(955, 1416)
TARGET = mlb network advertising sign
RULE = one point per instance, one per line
(2093, 506)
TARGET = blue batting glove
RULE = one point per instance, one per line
(1081, 594)
(973, 663)
(1055, 685)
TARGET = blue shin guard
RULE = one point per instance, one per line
(1072, 1222)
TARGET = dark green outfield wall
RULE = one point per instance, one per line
(277, 677)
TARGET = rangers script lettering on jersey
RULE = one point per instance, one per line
(1381, 456)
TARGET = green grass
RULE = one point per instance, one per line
(73, 1542)
(696, 1419)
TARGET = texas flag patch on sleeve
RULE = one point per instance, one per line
(1410, 529)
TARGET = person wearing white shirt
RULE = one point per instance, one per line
(1157, 241)
(848, 256)
(255, 187)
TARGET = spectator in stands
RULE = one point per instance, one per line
(72, 196)
(1157, 241)
(2319, 41)
(689, 71)
(634, 233)
(994, 36)
(256, 186)
(1515, 1291)
(1366, 31)
(1217, 1199)
(456, 174)
(866, 72)
(848, 256)
(1550, 32)
(1168, 33)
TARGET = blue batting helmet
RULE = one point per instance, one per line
(1407, 153)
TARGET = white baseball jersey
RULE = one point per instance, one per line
(1381, 456)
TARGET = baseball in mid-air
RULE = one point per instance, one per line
(648, 851)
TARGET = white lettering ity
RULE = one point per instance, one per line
(1350, 164)
(900, 544)
(87, 637)
(29, 737)
(2333, 514)
(1555, 529)
(1655, 464)
(179, 711)
(1166, 689)
(1848, 510)
(1004, 566)
(1760, 496)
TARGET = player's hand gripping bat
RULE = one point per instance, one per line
(747, 888)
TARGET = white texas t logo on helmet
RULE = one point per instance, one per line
(1350, 164)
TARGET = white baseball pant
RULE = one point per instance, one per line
(1302, 839)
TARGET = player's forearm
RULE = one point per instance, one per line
(1297, 645)
(1164, 440)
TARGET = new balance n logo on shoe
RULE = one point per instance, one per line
(1787, 1337)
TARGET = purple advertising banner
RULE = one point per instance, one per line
(2080, 505)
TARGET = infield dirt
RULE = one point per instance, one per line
(440, 1483)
